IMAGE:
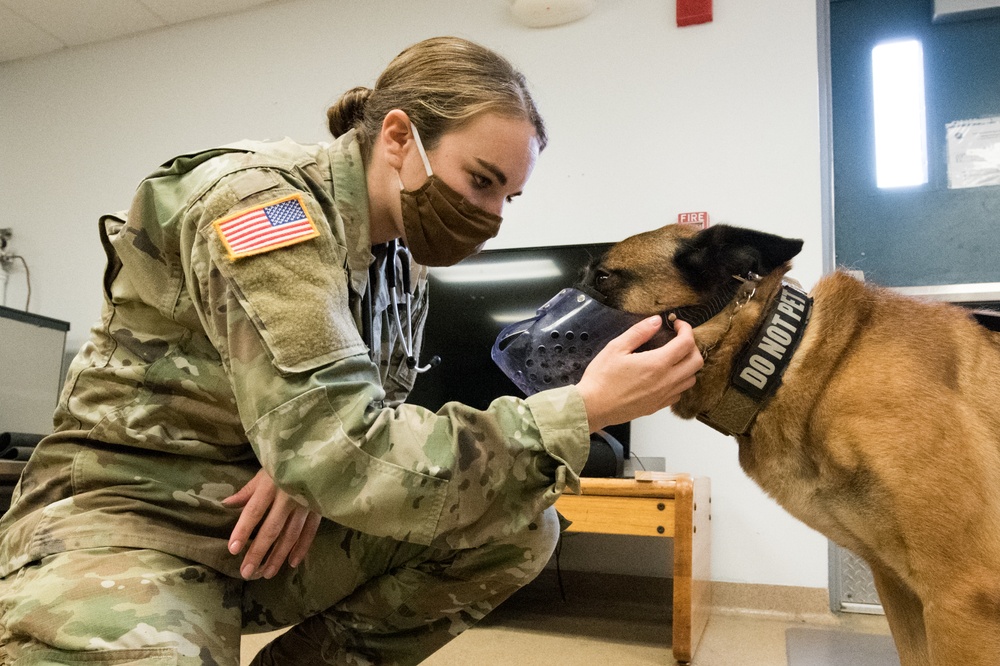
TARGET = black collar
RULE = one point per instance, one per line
(757, 373)
(698, 314)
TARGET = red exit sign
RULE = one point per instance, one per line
(700, 218)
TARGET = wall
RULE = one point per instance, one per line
(646, 119)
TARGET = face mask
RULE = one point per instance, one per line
(441, 227)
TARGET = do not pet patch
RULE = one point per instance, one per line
(268, 226)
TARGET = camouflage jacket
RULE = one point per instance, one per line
(204, 368)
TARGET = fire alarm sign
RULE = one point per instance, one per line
(700, 218)
(693, 12)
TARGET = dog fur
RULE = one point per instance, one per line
(884, 434)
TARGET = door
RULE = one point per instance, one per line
(937, 232)
(935, 238)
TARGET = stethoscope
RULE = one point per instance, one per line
(399, 255)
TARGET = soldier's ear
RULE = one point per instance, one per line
(719, 252)
(394, 137)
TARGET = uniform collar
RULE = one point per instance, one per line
(350, 193)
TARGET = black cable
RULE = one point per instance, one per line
(559, 578)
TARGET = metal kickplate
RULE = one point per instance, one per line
(852, 586)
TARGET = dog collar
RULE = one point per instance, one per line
(699, 313)
(757, 374)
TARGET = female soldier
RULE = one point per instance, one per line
(246, 336)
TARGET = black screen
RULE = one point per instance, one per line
(471, 302)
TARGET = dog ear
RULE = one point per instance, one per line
(718, 252)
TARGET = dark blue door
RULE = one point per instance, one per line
(928, 234)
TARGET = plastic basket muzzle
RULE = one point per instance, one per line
(553, 348)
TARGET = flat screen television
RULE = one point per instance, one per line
(469, 305)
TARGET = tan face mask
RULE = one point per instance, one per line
(441, 226)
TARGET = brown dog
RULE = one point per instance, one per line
(869, 416)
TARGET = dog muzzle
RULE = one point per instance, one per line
(553, 348)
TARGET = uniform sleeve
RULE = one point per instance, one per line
(307, 395)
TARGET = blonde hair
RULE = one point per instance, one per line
(441, 84)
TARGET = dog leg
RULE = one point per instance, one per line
(963, 625)
(905, 613)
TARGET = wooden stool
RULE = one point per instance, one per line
(658, 504)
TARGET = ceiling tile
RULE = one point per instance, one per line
(176, 11)
(20, 38)
(83, 22)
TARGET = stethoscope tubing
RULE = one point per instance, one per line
(399, 253)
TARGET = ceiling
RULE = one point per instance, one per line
(33, 27)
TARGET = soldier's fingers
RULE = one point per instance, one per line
(305, 540)
(636, 336)
(286, 541)
(261, 544)
(255, 509)
(241, 496)
(269, 533)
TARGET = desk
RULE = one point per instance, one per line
(10, 472)
(675, 506)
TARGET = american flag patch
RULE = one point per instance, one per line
(266, 227)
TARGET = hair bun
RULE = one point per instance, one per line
(347, 112)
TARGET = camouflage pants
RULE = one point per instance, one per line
(356, 599)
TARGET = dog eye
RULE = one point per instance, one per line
(601, 280)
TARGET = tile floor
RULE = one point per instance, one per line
(627, 623)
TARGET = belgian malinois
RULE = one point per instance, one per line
(870, 416)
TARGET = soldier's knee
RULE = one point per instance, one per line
(538, 542)
(512, 560)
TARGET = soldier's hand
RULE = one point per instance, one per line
(287, 531)
(621, 384)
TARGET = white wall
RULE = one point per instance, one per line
(646, 120)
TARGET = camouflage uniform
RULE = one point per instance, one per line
(202, 370)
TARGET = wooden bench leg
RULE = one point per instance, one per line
(692, 564)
